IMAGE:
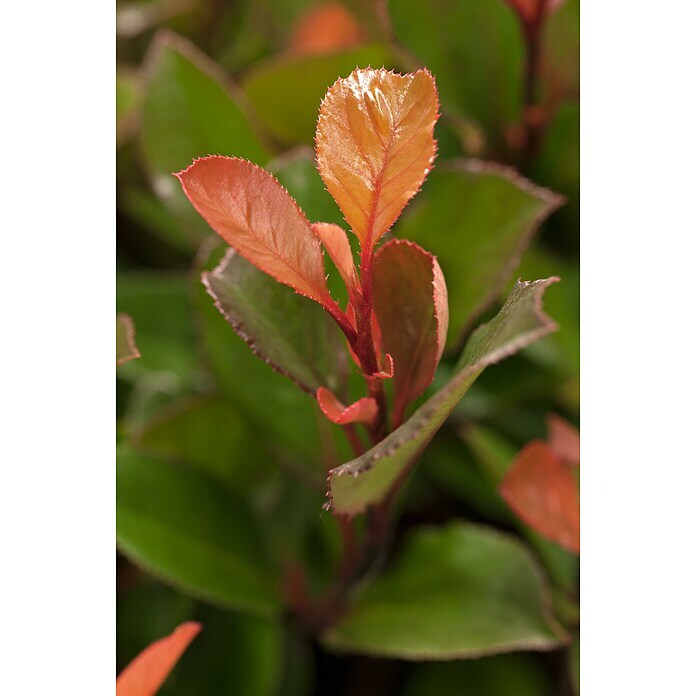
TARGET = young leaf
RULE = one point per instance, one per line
(375, 145)
(368, 479)
(563, 439)
(470, 591)
(362, 411)
(490, 213)
(292, 334)
(335, 241)
(147, 672)
(410, 301)
(125, 339)
(544, 493)
(529, 10)
(255, 215)
(325, 28)
(182, 526)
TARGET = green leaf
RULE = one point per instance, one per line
(186, 430)
(456, 591)
(286, 415)
(180, 525)
(293, 334)
(368, 479)
(477, 218)
(287, 91)
(127, 102)
(190, 110)
(126, 349)
(517, 674)
(483, 40)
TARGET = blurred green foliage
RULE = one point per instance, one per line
(222, 464)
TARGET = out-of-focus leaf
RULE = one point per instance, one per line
(145, 675)
(189, 110)
(518, 674)
(410, 301)
(362, 411)
(574, 664)
(544, 493)
(483, 40)
(557, 165)
(209, 434)
(529, 10)
(287, 92)
(477, 218)
(235, 654)
(368, 479)
(325, 28)
(470, 592)
(254, 214)
(560, 53)
(158, 304)
(286, 415)
(375, 145)
(291, 333)
(177, 523)
(127, 100)
(137, 16)
(126, 349)
(563, 439)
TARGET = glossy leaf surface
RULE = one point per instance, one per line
(410, 301)
(544, 493)
(477, 218)
(289, 332)
(182, 526)
(126, 349)
(287, 91)
(256, 216)
(189, 110)
(469, 591)
(368, 479)
(375, 145)
(147, 672)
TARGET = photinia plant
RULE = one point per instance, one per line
(374, 149)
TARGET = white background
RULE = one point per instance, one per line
(57, 303)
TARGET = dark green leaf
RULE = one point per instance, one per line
(190, 110)
(293, 334)
(287, 91)
(517, 674)
(474, 49)
(183, 527)
(477, 218)
(453, 592)
(368, 479)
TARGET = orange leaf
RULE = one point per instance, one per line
(147, 672)
(563, 439)
(544, 494)
(325, 28)
(410, 299)
(362, 411)
(254, 214)
(335, 241)
(375, 145)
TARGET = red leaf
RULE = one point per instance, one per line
(147, 672)
(335, 241)
(254, 214)
(529, 10)
(544, 493)
(410, 299)
(375, 145)
(563, 439)
(325, 28)
(362, 411)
